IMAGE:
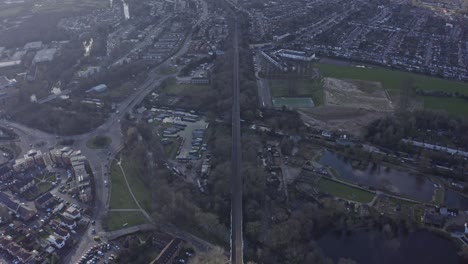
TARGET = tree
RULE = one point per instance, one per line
(214, 256)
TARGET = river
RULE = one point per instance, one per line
(371, 247)
(455, 200)
(413, 186)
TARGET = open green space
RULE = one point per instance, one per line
(117, 220)
(191, 90)
(43, 185)
(120, 196)
(391, 79)
(453, 106)
(171, 149)
(392, 82)
(439, 196)
(98, 142)
(298, 88)
(344, 191)
(294, 102)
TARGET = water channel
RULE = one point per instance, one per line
(417, 187)
(371, 247)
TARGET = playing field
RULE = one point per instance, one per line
(392, 82)
(312, 88)
(293, 102)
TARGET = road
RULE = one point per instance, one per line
(98, 159)
(237, 242)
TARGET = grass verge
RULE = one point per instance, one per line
(117, 220)
(98, 142)
(120, 196)
(344, 191)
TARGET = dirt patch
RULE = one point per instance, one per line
(338, 118)
(357, 94)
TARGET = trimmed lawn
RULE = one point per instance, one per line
(344, 191)
(140, 189)
(453, 106)
(116, 220)
(304, 87)
(120, 196)
(191, 90)
(439, 196)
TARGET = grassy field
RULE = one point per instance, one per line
(120, 196)
(191, 90)
(68, 5)
(116, 220)
(171, 149)
(344, 191)
(99, 142)
(392, 79)
(307, 88)
(296, 102)
(439, 196)
(141, 191)
(453, 106)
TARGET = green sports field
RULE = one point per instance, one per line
(312, 88)
(293, 102)
(392, 80)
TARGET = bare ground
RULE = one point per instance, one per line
(357, 94)
(334, 118)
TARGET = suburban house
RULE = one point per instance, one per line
(56, 242)
(5, 172)
(72, 213)
(44, 201)
(68, 223)
(17, 209)
(23, 185)
(62, 233)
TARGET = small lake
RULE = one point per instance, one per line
(455, 200)
(379, 177)
(371, 247)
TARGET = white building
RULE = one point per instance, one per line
(56, 242)
(6, 83)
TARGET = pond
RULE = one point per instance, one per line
(370, 247)
(455, 200)
(413, 186)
